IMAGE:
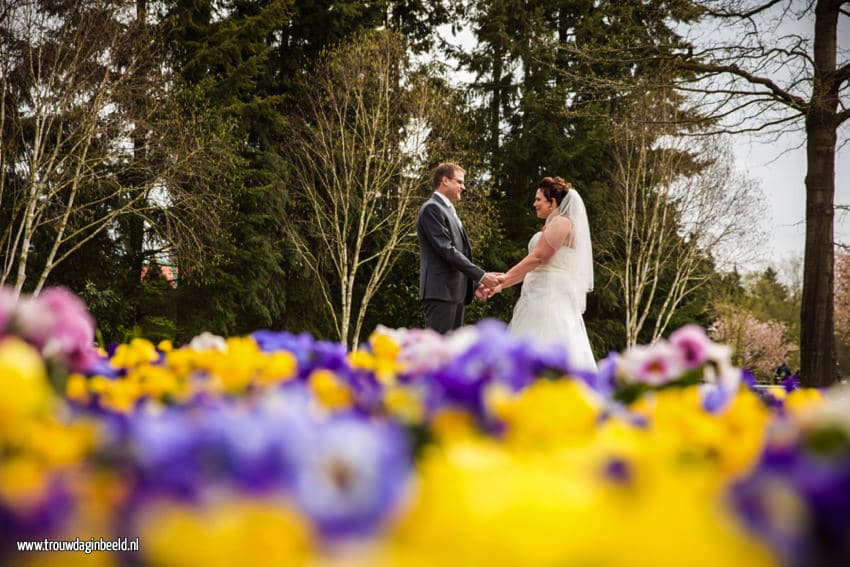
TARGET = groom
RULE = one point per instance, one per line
(447, 277)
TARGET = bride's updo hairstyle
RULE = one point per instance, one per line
(554, 188)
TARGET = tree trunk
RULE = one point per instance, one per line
(817, 340)
(496, 106)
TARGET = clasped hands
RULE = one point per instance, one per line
(491, 284)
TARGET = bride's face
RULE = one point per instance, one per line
(543, 207)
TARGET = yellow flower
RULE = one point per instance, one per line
(154, 381)
(138, 351)
(182, 361)
(23, 383)
(121, 395)
(278, 367)
(23, 482)
(745, 424)
(777, 392)
(386, 354)
(237, 367)
(383, 346)
(479, 503)
(729, 442)
(329, 390)
(499, 401)
(76, 388)
(60, 444)
(382, 359)
(550, 412)
(801, 400)
(224, 534)
(405, 404)
(451, 424)
(99, 384)
(165, 346)
(361, 359)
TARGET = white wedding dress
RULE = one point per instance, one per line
(551, 304)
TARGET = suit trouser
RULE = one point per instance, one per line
(443, 316)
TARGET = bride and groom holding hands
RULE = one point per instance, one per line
(557, 272)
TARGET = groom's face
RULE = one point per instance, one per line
(454, 186)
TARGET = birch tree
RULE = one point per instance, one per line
(678, 207)
(361, 155)
(71, 80)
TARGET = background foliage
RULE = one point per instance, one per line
(527, 101)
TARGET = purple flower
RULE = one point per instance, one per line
(39, 519)
(353, 474)
(166, 446)
(249, 448)
(330, 355)
(367, 390)
(715, 398)
(309, 353)
(748, 378)
(799, 503)
(790, 383)
(101, 366)
(301, 346)
(604, 379)
(693, 345)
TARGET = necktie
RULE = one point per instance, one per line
(454, 213)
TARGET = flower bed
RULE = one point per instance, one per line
(474, 448)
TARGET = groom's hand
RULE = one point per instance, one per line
(484, 293)
(490, 280)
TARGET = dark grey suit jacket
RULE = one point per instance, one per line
(446, 271)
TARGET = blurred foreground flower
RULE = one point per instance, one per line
(471, 448)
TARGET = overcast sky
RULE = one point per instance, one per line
(781, 169)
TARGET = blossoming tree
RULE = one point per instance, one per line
(758, 345)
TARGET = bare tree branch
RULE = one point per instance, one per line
(791, 100)
(742, 15)
(842, 74)
(678, 203)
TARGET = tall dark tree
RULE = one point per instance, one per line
(544, 105)
(249, 59)
(222, 51)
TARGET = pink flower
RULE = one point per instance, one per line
(32, 321)
(424, 349)
(693, 344)
(654, 365)
(58, 323)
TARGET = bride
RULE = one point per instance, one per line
(557, 274)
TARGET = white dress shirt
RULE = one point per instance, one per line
(451, 207)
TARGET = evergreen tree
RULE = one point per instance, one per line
(544, 103)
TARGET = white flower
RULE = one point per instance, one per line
(208, 341)
(654, 364)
